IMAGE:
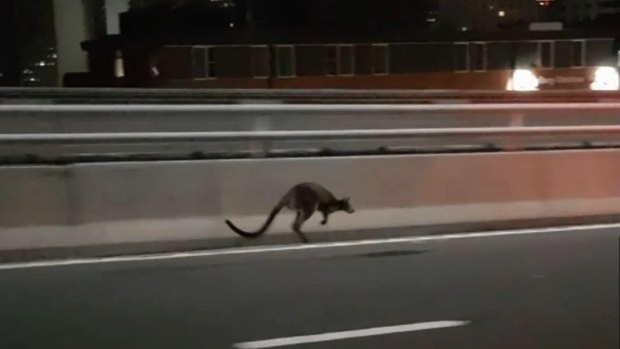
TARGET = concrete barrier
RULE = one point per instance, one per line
(122, 204)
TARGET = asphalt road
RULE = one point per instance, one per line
(552, 290)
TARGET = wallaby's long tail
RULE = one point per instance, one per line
(260, 231)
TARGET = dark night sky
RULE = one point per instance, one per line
(26, 34)
(9, 50)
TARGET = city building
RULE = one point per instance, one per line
(562, 59)
(27, 45)
(490, 15)
(141, 4)
(79, 20)
(587, 10)
(309, 44)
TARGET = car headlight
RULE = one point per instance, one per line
(605, 79)
(522, 80)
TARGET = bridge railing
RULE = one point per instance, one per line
(584, 132)
(315, 96)
(148, 146)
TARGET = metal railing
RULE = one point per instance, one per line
(584, 132)
(234, 96)
(265, 108)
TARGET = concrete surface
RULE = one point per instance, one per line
(126, 203)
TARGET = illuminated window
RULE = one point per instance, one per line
(119, 66)
(203, 62)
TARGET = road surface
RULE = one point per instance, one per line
(556, 289)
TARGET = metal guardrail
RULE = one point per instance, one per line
(294, 96)
(187, 137)
(263, 108)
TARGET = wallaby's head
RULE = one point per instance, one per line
(345, 205)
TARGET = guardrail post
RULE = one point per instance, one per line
(514, 142)
(261, 148)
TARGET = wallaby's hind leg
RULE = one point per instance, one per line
(325, 217)
(300, 218)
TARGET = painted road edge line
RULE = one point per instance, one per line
(296, 247)
(335, 336)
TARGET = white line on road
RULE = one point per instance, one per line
(334, 336)
(285, 248)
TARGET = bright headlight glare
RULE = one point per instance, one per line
(605, 79)
(523, 80)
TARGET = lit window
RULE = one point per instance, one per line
(119, 66)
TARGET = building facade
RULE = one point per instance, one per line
(309, 46)
(470, 62)
(587, 10)
(491, 15)
(76, 21)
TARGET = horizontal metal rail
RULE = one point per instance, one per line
(294, 108)
(181, 137)
(25, 92)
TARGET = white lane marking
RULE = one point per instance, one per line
(313, 246)
(334, 336)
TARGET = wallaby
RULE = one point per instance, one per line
(305, 199)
